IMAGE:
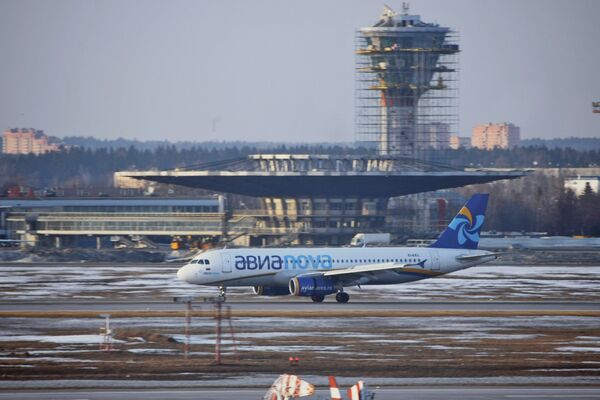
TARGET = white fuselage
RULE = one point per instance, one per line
(276, 266)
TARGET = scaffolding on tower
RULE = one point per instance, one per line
(406, 86)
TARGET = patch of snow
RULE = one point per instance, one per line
(579, 349)
(61, 339)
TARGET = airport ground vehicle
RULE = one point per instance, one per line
(365, 239)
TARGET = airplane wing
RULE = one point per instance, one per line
(362, 274)
(365, 269)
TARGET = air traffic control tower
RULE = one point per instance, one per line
(406, 85)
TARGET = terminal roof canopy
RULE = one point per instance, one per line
(322, 176)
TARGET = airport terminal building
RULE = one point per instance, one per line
(70, 222)
(304, 199)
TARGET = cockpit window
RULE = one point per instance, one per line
(200, 261)
(206, 262)
(193, 261)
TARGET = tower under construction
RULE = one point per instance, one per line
(406, 85)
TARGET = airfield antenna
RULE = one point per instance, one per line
(187, 300)
(106, 333)
(188, 323)
(228, 317)
(218, 309)
(219, 316)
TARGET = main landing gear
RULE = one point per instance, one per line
(342, 297)
(317, 298)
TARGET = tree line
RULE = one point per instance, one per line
(517, 157)
(540, 203)
(95, 167)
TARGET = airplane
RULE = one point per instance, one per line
(319, 272)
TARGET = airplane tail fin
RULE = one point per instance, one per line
(463, 230)
(334, 389)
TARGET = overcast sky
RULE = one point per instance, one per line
(279, 70)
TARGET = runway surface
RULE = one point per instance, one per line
(139, 283)
(446, 393)
(303, 305)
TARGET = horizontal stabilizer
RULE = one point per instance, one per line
(476, 257)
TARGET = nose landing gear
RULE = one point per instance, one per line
(342, 297)
(222, 292)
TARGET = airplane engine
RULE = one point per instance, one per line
(270, 290)
(309, 286)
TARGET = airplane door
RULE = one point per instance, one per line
(226, 262)
(435, 260)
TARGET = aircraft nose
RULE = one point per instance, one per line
(185, 273)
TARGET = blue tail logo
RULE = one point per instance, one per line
(463, 230)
